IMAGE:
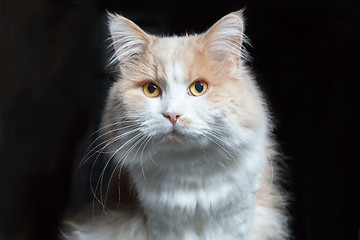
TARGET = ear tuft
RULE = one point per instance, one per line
(128, 39)
(225, 38)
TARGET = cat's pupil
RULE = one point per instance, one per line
(199, 86)
(151, 88)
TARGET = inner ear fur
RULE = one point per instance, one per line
(128, 39)
(225, 38)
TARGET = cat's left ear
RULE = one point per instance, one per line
(225, 38)
(128, 39)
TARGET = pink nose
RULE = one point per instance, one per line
(173, 117)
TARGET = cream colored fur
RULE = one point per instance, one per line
(208, 176)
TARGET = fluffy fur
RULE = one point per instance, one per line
(208, 176)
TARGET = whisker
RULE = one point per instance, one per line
(126, 154)
(102, 128)
(94, 191)
(219, 145)
(101, 178)
(107, 143)
(141, 157)
(152, 147)
(218, 131)
(120, 120)
(119, 185)
(112, 173)
(121, 160)
(110, 131)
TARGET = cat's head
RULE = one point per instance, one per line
(181, 94)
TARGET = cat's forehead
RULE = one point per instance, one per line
(172, 57)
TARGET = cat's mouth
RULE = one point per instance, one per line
(174, 136)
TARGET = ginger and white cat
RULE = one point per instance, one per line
(188, 123)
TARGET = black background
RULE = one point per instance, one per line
(53, 86)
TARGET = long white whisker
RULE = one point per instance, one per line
(107, 143)
(112, 173)
(91, 174)
(100, 181)
(219, 145)
(120, 120)
(218, 131)
(138, 139)
(151, 158)
(108, 132)
(141, 157)
(126, 154)
(102, 128)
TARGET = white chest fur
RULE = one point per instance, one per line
(189, 202)
(185, 202)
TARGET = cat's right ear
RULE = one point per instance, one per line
(128, 39)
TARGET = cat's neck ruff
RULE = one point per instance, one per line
(209, 182)
(192, 195)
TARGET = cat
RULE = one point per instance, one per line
(187, 122)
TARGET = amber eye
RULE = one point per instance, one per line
(198, 88)
(151, 89)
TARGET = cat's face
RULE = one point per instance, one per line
(182, 93)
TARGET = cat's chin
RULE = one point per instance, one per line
(174, 138)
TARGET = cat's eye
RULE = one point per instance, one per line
(151, 89)
(198, 88)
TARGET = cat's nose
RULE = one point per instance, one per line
(173, 117)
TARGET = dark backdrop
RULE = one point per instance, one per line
(53, 85)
